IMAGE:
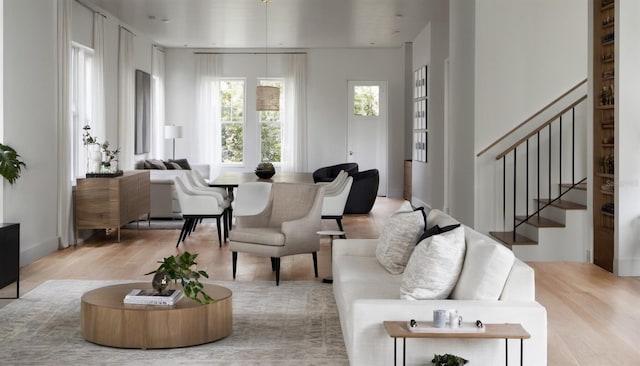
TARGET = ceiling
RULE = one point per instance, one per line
(291, 23)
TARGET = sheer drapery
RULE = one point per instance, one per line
(65, 133)
(157, 103)
(98, 124)
(126, 94)
(294, 128)
(206, 132)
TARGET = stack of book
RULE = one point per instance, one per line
(152, 297)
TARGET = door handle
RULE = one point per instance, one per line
(350, 152)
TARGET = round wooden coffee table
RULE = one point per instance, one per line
(106, 320)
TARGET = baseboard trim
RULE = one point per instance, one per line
(628, 266)
(32, 254)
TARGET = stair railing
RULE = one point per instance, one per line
(534, 137)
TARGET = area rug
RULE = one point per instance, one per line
(295, 323)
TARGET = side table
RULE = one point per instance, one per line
(331, 234)
(399, 329)
(10, 258)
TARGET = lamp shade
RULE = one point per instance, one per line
(172, 132)
(267, 98)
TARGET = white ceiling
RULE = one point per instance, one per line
(291, 23)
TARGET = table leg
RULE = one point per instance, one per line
(395, 351)
(404, 351)
(521, 351)
(329, 279)
(506, 352)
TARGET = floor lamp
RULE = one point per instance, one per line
(173, 132)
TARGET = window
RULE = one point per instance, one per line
(232, 120)
(271, 127)
(366, 100)
(81, 103)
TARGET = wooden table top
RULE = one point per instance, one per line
(399, 329)
(233, 179)
(113, 296)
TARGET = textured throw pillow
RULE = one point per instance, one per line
(485, 272)
(183, 163)
(398, 238)
(434, 267)
(154, 164)
(171, 165)
(435, 230)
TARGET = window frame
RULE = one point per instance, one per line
(244, 120)
(79, 153)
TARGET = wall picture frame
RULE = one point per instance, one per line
(143, 113)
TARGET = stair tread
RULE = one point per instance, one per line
(506, 237)
(539, 221)
(564, 204)
(581, 186)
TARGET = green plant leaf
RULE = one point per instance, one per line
(11, 164)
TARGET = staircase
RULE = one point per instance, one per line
(542, 218)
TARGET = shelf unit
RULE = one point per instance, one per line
(420, 114)
(604, 125)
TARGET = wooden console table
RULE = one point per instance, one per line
(109, 203)
(106, 320)
(399, 329)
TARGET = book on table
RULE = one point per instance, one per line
(152, 297)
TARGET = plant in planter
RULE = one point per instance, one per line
(11, 164)
(178, 269)
(110, 157)
(448, 360)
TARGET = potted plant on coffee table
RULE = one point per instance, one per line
(179, 269)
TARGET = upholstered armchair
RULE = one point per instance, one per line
(288, 225)
(328, 173)
(335, 197)
(363, 192)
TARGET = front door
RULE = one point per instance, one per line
(367, 128)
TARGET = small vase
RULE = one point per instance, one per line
(94, 159)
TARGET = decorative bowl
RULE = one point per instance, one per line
(265, 174)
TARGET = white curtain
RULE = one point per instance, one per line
(294, 128)
(157, 103)
(126, 94)
(98, 124)
(65, 133)
(206, 132)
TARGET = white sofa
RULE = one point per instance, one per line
(367, 295)
(164, 200)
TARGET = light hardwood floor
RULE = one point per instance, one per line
(593, 316)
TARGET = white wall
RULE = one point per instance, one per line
(431, 47)
(29, 99)
(30, 122)
(328, 71)
(525, 57)
(627, 135)
(462, 109)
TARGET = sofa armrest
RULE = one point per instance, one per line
(520, 284)
(355, 247)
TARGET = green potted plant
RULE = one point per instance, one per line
(448, 360)
(11, 164)
(178, 269)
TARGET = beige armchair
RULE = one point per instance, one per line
(288, 225)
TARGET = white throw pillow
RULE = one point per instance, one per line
(484, 273)
(434, 267)
(398, 239)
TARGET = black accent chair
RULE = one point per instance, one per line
(328, 173)
(363, 192)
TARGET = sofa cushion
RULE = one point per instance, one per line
(182, 162)
(434, 267)
(154, 164)
(398, 239)
(171, 165)
(485, 270)
(435, 230)
(437, 217)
